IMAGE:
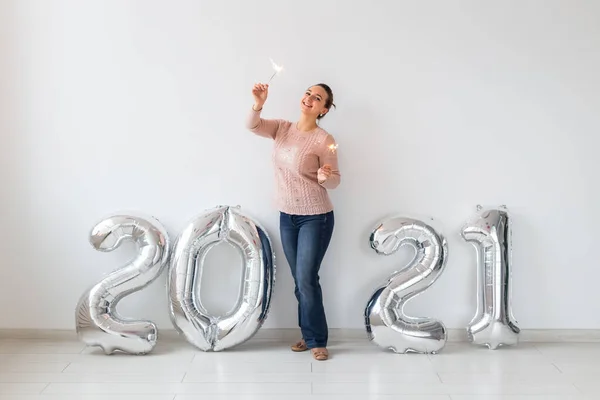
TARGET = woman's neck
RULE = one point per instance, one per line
(306, 123)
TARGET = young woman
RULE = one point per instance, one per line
(306, 165)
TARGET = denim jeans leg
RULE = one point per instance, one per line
(314, 237)
(289, 240)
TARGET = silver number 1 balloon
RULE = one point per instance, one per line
(493, 324)
(189, 316)
(386, 323)
(97, 322)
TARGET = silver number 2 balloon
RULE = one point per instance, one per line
(97, 322)
(386, 323)
(493, 324)
(206, 332)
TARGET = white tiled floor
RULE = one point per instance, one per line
(267, 370)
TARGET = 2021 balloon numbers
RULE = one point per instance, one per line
(98, 324)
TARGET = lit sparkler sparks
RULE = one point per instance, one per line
(276, 68)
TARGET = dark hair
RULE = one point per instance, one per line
(329, 102)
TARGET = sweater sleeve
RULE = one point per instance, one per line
(329, 157)
(262, 127)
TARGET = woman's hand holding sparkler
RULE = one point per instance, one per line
(260, 91)
(324, 173)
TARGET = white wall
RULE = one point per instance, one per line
(119, 105)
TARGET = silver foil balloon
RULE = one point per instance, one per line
(493, 324)
(97, 321)
(385, 321)
(190, 318)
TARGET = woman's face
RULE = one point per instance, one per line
(313, 101)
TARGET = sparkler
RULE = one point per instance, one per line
(277, 68)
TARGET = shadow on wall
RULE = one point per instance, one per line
(361, 136)
(14, 239)
(10, 129)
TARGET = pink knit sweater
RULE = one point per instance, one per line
(296, 157)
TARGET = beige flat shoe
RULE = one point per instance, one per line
(320, 353)
(299, 346)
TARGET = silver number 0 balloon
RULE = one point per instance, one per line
(223, 224)
(385, 321)
(493, 324)
(97, 322)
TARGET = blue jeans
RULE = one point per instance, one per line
(305, 239)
